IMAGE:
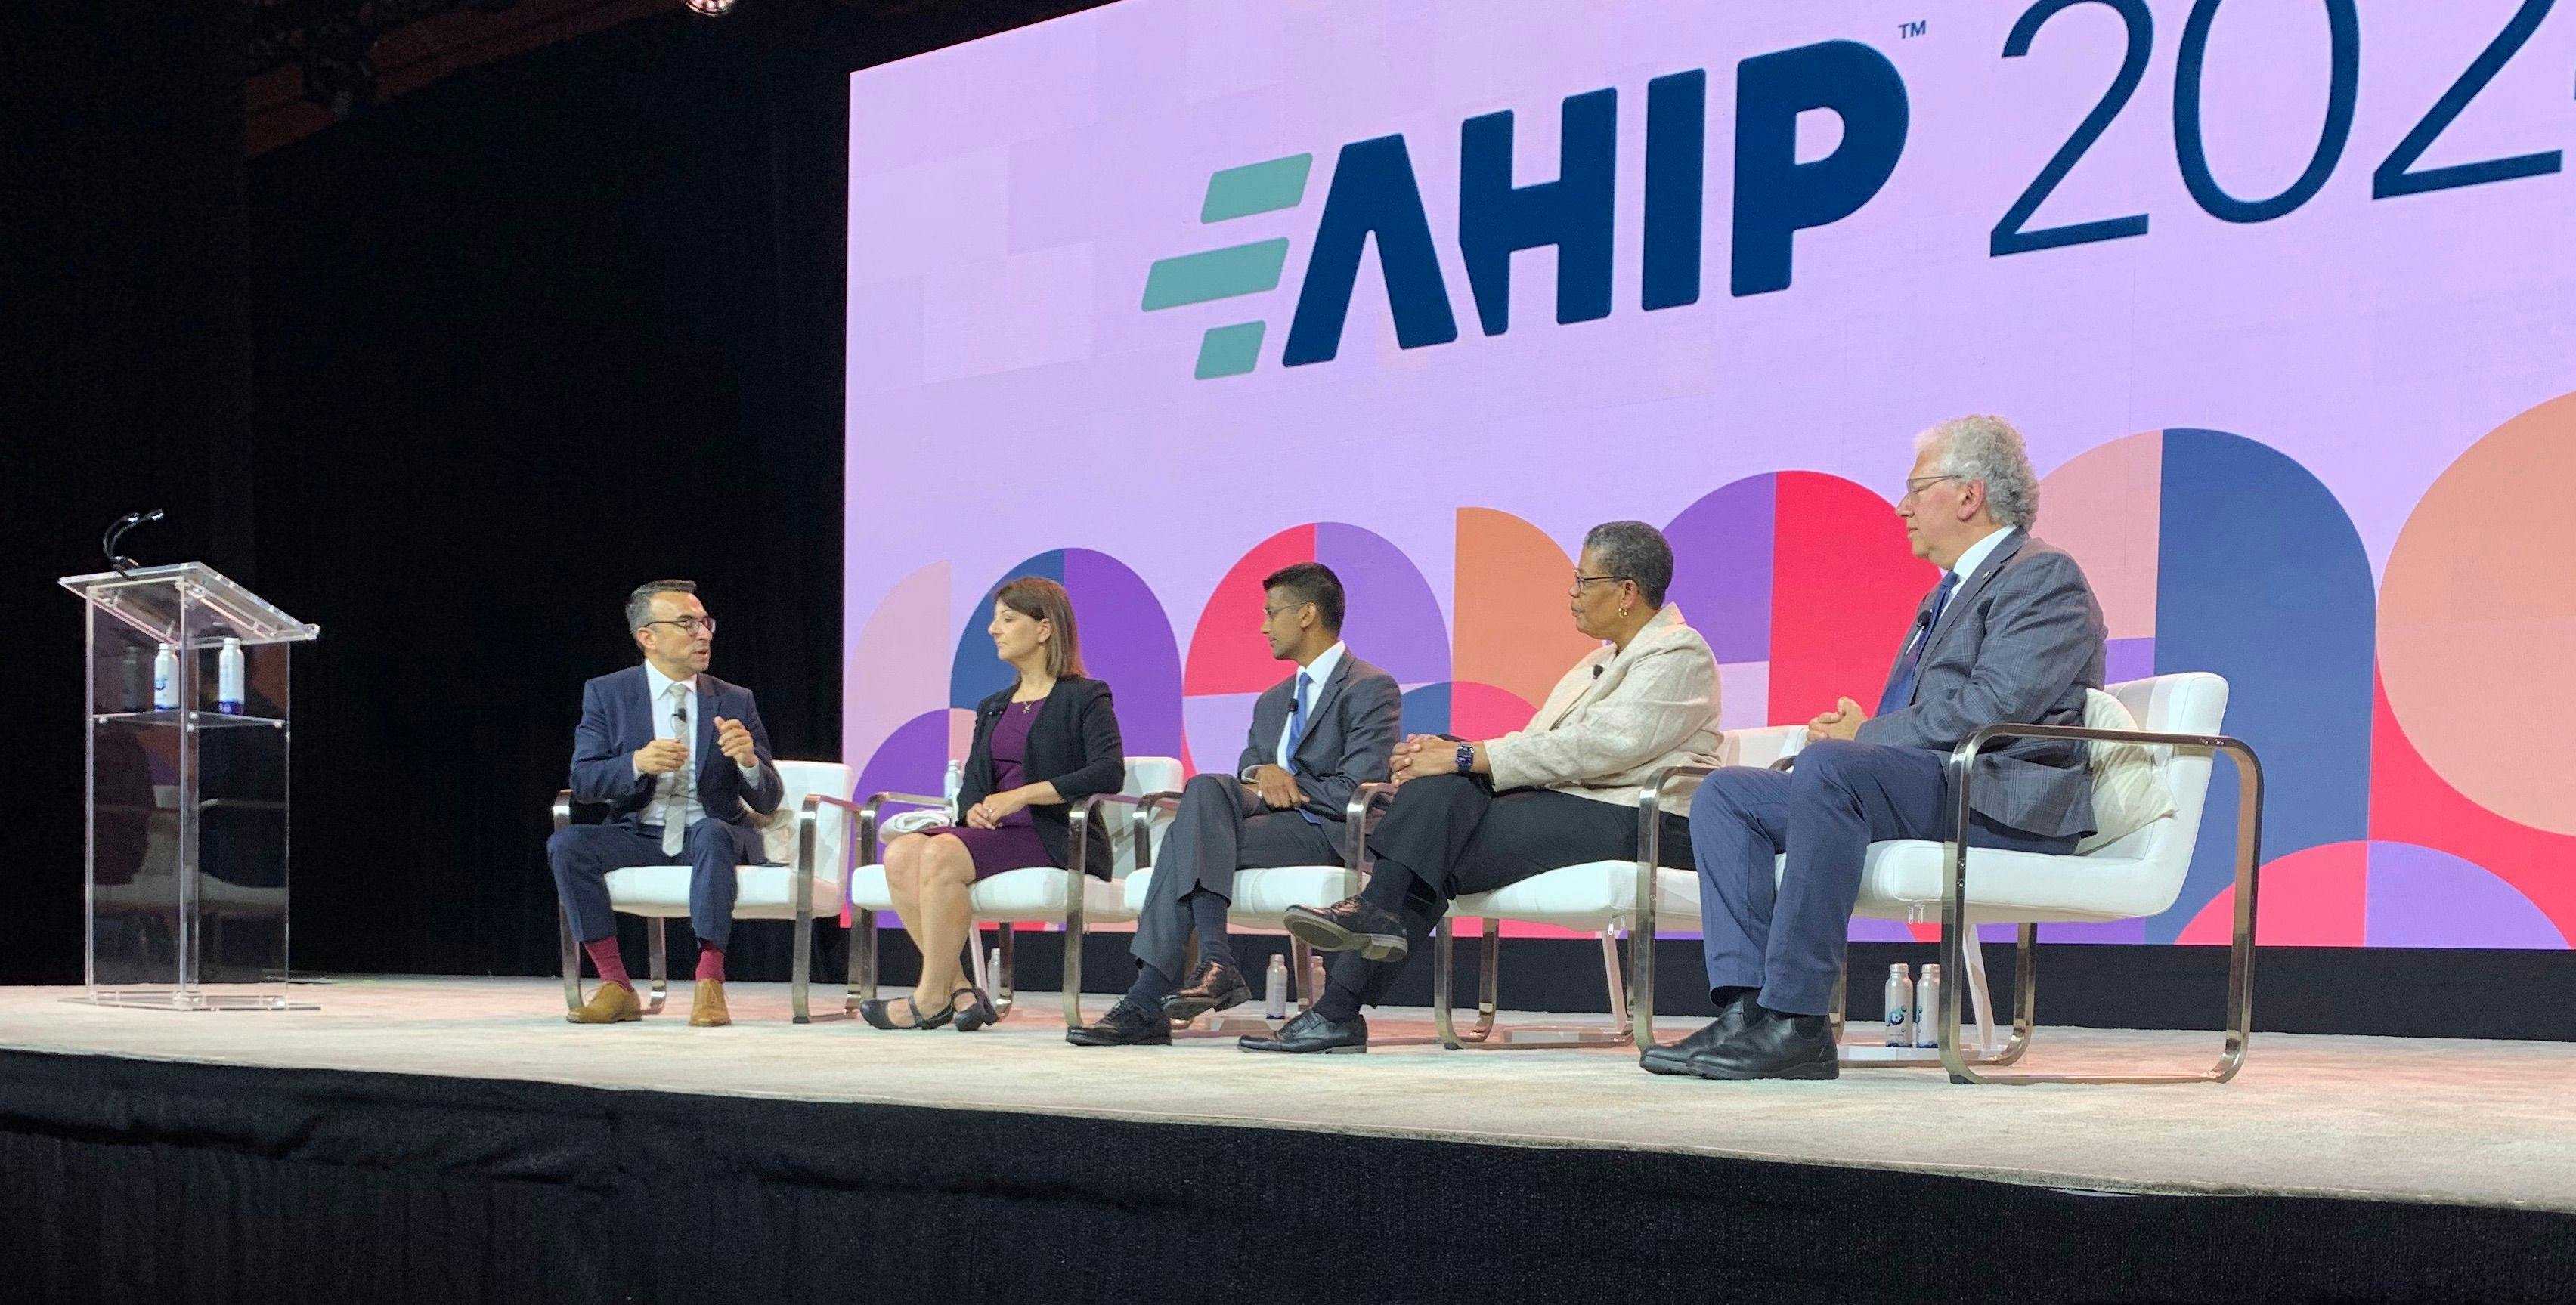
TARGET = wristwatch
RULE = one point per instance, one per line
(1466, 758)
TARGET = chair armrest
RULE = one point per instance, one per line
(1077, 854)
(563, 807)
(2249, 861)
(1641, 925)
(868, 815)
(1358, 818)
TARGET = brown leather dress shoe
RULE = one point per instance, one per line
(709, 1011)
(610, 1003)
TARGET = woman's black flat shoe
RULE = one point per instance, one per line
(879, 1014)
(978, 1013)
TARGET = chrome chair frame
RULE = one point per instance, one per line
(1357, 817)
(863, 937)
(998, 977)
(800, 965)
(1632, 1008)
(2240, 958)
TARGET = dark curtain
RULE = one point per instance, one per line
(523, 338)
(124, 326)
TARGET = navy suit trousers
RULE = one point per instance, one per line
(1785, 935)
(582, 855)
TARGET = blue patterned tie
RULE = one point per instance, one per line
(1900, 686)
(1296, 732)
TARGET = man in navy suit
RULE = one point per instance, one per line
(1316, 737)
(2011, 634)
(681, 760)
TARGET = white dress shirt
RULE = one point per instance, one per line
(677, 791)
(1316, 672)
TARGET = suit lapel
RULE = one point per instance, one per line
(1324, 695)
(703, 749)
(640, 728)
(1950, 615)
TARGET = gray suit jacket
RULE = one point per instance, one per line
(2021, 642)
(1350, 741)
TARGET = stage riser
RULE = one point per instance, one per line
(150, 1181)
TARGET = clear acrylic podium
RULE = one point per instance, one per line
(187, 805)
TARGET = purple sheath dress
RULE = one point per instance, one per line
(1013, 845)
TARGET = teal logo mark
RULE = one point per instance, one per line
(1234, 270)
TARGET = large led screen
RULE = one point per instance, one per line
(1158, 297)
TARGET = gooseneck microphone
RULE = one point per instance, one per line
(123, 565)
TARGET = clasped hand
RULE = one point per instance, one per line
(1421, 756)
(993, 810)
(1842, 722)
(661, 757)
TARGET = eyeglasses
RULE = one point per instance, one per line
(690, 625)
(1581, 579)
(1269, 613)
(1915, 487)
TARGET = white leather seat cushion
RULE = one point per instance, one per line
(868, 889)
(761, 892)
(1037, 893)
(1587, 896)
(1901, 874)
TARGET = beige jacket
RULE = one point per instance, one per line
(1652, 706)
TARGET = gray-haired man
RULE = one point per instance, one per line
(2011, 634)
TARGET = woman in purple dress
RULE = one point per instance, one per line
(1041, 745)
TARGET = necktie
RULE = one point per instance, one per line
(1296, 732)
(675, 802)
(1297, 719)
(1900, 686)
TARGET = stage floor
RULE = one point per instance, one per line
(2459, 1122)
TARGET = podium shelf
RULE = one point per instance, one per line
(204, 720)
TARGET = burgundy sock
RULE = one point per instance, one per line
(611, 966)
(710, 962)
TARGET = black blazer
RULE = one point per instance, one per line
(1073, 743)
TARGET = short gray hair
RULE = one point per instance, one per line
(639, 604)
(1986, 448)
(1635, 551)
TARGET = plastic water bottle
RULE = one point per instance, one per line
(1274, 996)
(1927, 997)
(951, 786)
(133, 680)
(1314, 979)
(165, 679)
(1900, 1006)
(228, 678)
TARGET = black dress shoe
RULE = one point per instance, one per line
(1350, 925)
(1675, 1058)
(1779, 1046)
(1311, 1032)
(1217, 986)
(1126, 1025)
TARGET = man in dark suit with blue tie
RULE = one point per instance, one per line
(683, 764)
(1316, 737)
(2011, 634)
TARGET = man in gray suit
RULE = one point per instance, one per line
(2011, 634)
(1316, 737)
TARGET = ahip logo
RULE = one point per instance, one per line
(1375, 193)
